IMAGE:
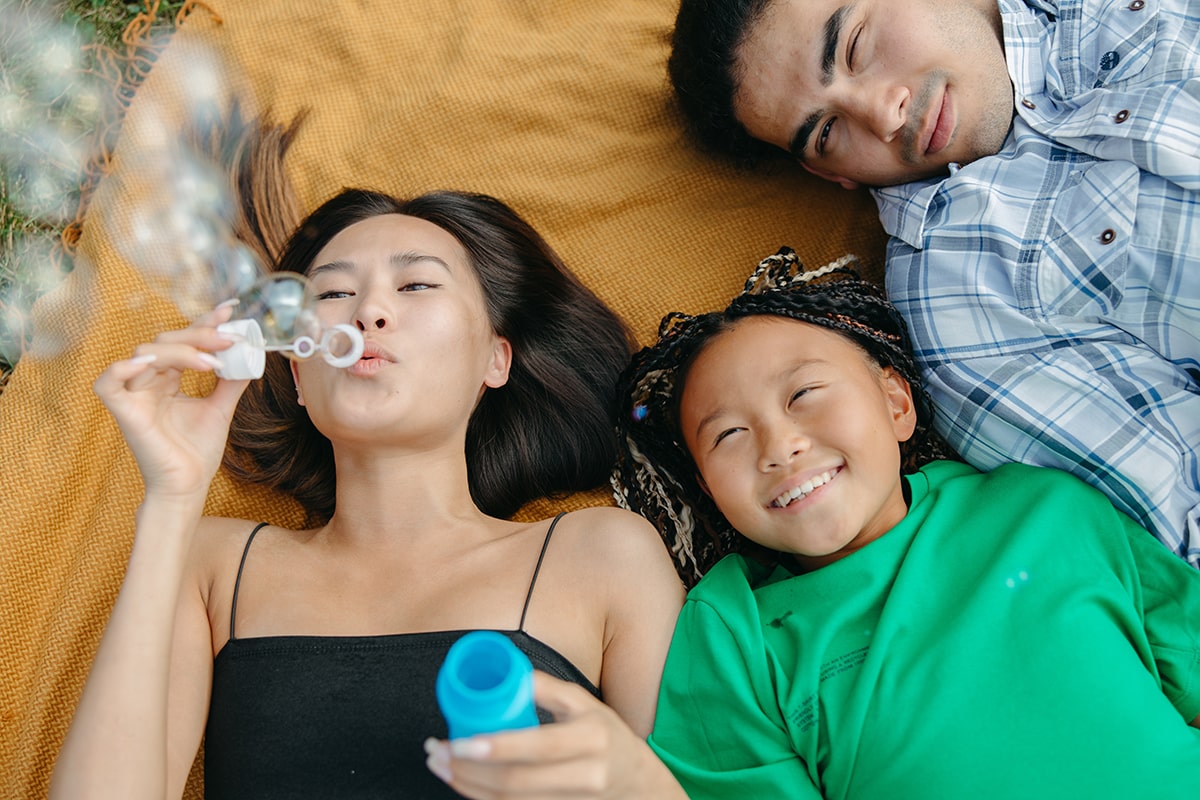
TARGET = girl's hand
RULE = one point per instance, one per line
(177, 440)
(588, 751)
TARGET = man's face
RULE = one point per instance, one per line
(877, 92)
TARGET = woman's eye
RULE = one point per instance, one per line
(333, 294)
(416, 286)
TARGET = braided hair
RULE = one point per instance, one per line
(655, 475)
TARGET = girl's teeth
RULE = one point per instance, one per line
(803, 490)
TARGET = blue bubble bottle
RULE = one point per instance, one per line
(485, 685)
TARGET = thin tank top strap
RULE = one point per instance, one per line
(537, 568)
(237, 583)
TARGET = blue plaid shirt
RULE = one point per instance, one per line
(1053, 290)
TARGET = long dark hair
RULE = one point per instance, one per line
(656, 475)
(706, 75)
(547, 431)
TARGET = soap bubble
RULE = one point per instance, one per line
(174, 224)
(50, 110)
(280, 305)
(173, 212)
(176, 227)
(35, 269)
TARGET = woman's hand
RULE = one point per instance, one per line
(177, 440)
(588, 751)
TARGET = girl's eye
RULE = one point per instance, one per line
(725, 434)
(416, 286)
(333, 294)
(797, 396)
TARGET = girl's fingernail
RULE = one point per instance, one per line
(210, 359)
(233, 301)
(146, 359)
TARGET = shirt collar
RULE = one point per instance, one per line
(903, 209)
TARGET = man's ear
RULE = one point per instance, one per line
(845, 183)
(900, 404)
(497, 373)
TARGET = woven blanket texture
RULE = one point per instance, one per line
(562, 109)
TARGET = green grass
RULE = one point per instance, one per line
(23, 279)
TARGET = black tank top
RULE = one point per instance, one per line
(337, 716)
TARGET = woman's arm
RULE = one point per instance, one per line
(138, 724)
(592, 749)
(645, 595)
(139, 721)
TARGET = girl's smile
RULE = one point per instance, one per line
(795, 432)
(804, 489)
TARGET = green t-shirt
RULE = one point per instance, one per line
(1013, 637)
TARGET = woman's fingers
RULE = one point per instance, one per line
(119, 372)
(153, 361)
(562, 698)
(179, 349)
(578, 755)
(198, 335)
(156, 368)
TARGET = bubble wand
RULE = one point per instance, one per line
(275, 316)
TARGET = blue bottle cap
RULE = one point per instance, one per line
(485, 685)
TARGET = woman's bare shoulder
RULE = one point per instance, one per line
(216, 557)
(222, 532)
(617, 537)
(608, 522)
(219, 543)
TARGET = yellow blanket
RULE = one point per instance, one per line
(560, 108)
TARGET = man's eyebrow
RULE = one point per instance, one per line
(833, 33)
(799, 144)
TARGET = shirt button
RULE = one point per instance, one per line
(1137, 5)
(1108, 236)
(1110, 60)
(1121, 116)
(1025, 101)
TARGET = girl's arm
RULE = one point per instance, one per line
(139, 721)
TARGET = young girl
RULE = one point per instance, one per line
(881, 623)
(307, 659)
